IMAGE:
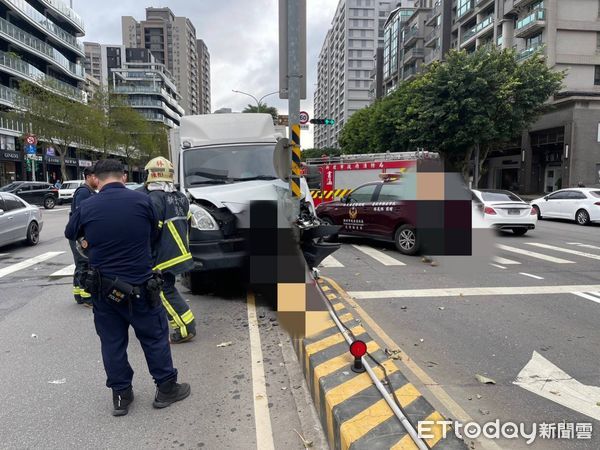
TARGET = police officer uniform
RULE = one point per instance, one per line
(171, 253)
(119, 226)
(83, 192)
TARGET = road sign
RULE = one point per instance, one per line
(31, 139)
(304, 127)
(304, 117)
(30, 149)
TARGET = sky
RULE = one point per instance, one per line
(242, 38)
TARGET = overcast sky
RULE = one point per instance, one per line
(241, 35)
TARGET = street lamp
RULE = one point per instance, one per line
(258, 101)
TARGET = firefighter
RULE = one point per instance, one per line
(171, 253)
(83, 192)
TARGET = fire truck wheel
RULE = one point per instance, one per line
(406, 240)
(331, 237)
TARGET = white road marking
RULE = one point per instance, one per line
(498, 266)
(532, 276)
(3, 254)
(330, 261)
(378, 256)
(262, 416)
(545, 379)
(566, 250)
(474, 291)
(504, 261)
(64, 272)
(578, 244)
(534, 254)
(588, 296)
(28, 263)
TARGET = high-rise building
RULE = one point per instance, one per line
(345, 64)
(172, 41)
(38, 44)
(203, 78)
(146, 84)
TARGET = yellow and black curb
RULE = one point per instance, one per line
(353, 413)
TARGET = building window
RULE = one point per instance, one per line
(596, 75)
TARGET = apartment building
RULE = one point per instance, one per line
(172, 41)
(146, 84)
(38, 44)
(204, 78)
(345, 64)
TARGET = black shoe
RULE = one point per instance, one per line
(170, 392)
(121, 401)
(176, 337)
(87, 303)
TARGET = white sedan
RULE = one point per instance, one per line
(579, 204)
(67, 190)
(504, 210)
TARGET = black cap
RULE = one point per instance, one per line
(91, 170)
(108, 166)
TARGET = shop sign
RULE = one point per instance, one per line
(13, 156)
(50, 151)
(53, 160)
(85, 163)
(70, 161)
(34, 157)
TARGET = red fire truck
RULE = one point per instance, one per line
(331, 178)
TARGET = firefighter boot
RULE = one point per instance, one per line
(177, 336)
(170, 392)
(121, 401)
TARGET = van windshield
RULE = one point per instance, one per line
(221, 165)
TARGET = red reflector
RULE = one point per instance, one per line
(489, 210)
(533, 212)
(597, 203)
(358, 349)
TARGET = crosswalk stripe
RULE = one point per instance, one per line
(64, 272)
(381, 257)
(28, 263)
(531, 276)
(587, 296)
(504, 261)
(330, 261)
(534, 254)
(579, 244)
(565, 250)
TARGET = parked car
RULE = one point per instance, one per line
(579, 204)
(504, 210)
(66, 191)
(34, 192)
(18, 220)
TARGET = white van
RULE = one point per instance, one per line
(66, 191)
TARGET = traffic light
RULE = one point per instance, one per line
(322, 121)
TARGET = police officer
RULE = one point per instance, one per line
(83, 192)
(119, 225)
(171, 255)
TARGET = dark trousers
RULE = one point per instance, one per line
(112, 322)
(81, 265)
(181, 316)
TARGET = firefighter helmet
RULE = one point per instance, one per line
(159, 169)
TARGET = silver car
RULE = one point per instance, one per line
(19, 221)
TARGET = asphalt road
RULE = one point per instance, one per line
(452, 328)
(53, 392)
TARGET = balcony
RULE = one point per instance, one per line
(413, 54)
(436, 11)
(431, 38)
(66, 12)
(464, 9)
(434, 55)
(42, 22)
(412, 36)
(532, 24)
(410, 73)
(477, 29)
(521, 3)
(528, 52)
(17, 67)
(29, 42)
(8, 96)
(12, 126)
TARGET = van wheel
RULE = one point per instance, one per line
(582, 217)
(198, 283)
(33, 234)
(49, 203)
(407, 240)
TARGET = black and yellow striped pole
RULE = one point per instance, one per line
(296, 169)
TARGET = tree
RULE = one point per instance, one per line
(319, 152)
(263, 109)
(53, 118)
(473, 102)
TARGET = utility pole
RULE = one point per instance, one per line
(476, 168)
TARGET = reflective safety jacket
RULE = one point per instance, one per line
(171, 251)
